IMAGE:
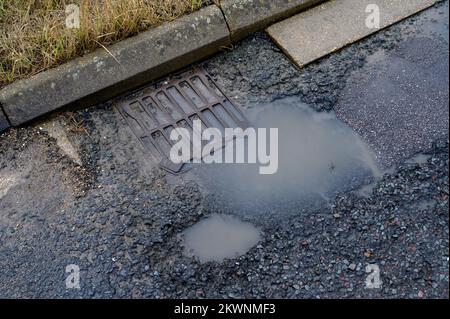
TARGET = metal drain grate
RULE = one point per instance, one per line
(154, 111)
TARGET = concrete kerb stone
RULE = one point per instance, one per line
(247, 16)
(102, 75)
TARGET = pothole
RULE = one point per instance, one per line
(219, 237)
(318, 157)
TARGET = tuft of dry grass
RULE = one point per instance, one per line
(34, 36)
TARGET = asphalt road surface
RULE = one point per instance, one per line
(79, 189)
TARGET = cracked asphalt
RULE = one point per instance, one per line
(90, 195)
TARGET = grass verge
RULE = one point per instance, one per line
(34, 36)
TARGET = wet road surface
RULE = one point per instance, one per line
(119, 218)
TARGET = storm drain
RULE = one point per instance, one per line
(154, 111)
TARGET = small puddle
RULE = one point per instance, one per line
(219, 237)
(419, 159)
(425, 205)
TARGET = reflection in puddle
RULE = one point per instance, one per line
(319, 155)
(218, 237)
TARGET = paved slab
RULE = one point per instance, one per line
(324, 29)
(247, 16)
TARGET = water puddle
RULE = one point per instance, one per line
(425, 205)
(219, 237)
(319, 156)
(419, 159)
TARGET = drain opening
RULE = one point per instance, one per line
(155, 110)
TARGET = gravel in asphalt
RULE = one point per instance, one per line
(119, 217)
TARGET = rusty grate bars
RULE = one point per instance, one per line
(154, 111)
